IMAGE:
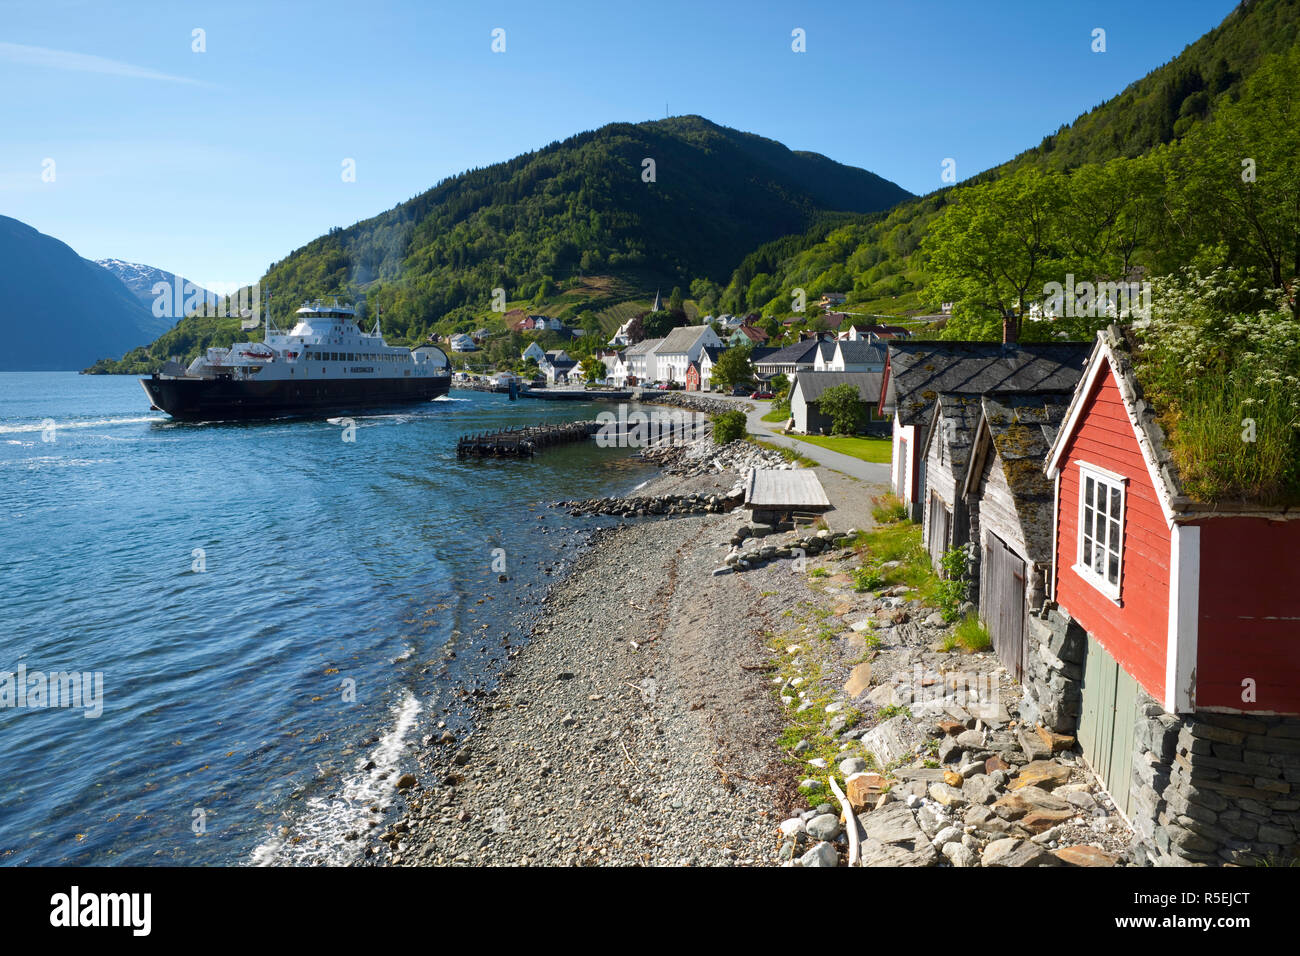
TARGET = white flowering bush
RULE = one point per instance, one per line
(1226, 381)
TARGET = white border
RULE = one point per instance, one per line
(1184, 614)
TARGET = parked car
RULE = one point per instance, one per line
(741, 390)
(761, 393)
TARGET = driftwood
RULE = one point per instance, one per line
(850, 822)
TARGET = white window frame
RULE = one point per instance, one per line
(1111, 482)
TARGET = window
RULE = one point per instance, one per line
(1101, 529)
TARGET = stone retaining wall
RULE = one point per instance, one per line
(1205, 788)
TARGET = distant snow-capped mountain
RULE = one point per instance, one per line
(141, 279)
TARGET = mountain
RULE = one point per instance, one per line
(650, 205)
(63, 311)
(873, 257)
(141, 279)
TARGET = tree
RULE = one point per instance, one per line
(845, 408)
(995, 244)
(733, 367)
(728, 427)
(675, 301)
(591, 368)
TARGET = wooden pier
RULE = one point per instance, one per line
(522, 442)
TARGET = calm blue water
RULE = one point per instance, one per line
(232, 582)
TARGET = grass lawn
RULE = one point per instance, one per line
(777, 416)
(878, 450)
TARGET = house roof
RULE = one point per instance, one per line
(643, 347)
(682, 339)
(917, 372)
(799, 353)
(956, 416)
(713, 351)
(753, 334)
(1019, 428)
(812, 384)
(862, 352)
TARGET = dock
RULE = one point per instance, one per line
(522, 442)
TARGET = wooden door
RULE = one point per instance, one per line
(901, 490)
(1106, 722)
(940, 529)
(1003, 600)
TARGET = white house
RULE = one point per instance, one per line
(682, 347)
(460, 342)
(615, 368)
(862, 355)
(534, 352)
(708, 358)
(641, 360)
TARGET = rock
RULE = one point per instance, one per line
(406, 781)
(887, 742)
(818, 762)
(851, 766)
(875, 853)
(980, 789)
(949, 750)
(883, 695)
(863, 789)
(1037, 821)
(1083, 855)
(949, 834)
(1082, 799)
(931, 819)
(951, 727)
(859, 680)
(810, 784)
(959, 855)
(1014, 852)
(824, 827)
(718, 572)
(893, 823)
(995, 763)
(823, 854)
(952, 778)
(1041, 773)
(971, 740)
(1055, 743)
(947, 795)
(792, 827)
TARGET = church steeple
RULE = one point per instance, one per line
(658, 306)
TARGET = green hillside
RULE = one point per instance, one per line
(878, 260)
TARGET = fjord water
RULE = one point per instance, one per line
(231, 582)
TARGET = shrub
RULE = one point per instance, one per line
(728, 427)
(971, 634)
(886, 509)
(846, 410)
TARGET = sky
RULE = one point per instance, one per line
(124, 139)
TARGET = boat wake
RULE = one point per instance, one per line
(58, 425)
(320, 835)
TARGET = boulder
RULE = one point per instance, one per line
(888, 742)
(1083, 855)
(1014, 852)
(893, 823)
(947, 795)
(1041, 773)
(823, 854)
(859, 680)
(863, 789)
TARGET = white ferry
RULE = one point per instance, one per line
(325, 363)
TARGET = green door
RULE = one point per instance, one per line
(1107, 720)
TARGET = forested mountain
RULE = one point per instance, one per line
(62, 311)
(875, 258)
(591, 204)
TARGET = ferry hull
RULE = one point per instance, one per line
(197, 400)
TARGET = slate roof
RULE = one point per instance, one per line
(759, 353)
(956, 417)
(713, 351)
(643, 347)
(797, 354)
(919, 371)
(1021, 428)
(812, 384)
(862, 352)
(682, 339)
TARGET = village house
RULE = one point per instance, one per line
(832, 298)
(805, 400)
(615, 368)
(861, 355)
(642, 366)
(855, 332)
(802, 356)
(461, 342)
(680, 348)
(917, 372)
(747, 335)
(1009, 504)
(946, 450)
(1169, 645)
(536, 353)
(556, 366)
(709, 358)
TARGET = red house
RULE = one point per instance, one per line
(693, 377)
(1190, 612)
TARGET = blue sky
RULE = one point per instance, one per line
(216, 164)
